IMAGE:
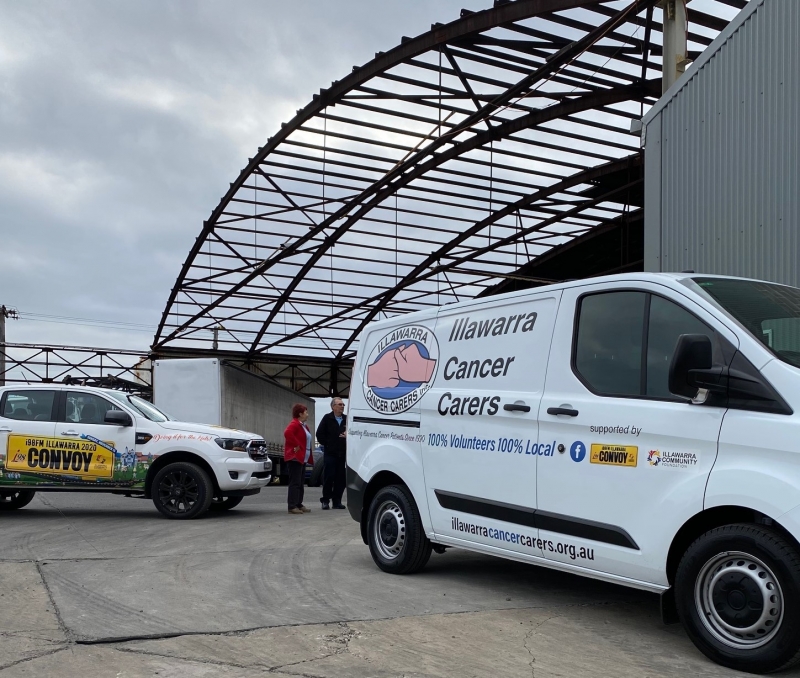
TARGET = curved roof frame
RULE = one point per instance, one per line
(490, 149)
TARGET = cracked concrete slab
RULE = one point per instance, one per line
(592, 641)
(256, 568)
(110, 568)
(264, 648)
(29, 625)
(79, 661)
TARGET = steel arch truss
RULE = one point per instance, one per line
(430, 175)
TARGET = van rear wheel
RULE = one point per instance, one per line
(738, 594)
(182, 491)
(11, 500)
(396, 538)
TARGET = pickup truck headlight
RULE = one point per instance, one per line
(232, 444)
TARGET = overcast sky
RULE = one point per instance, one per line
(122, 124)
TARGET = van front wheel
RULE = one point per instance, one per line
(738, 594)
(11, 500)
(396, 538)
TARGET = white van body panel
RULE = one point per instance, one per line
(485, 367)
(612, 521)
(759, 457)
(637, 498)
(373, 447)
(395, 456)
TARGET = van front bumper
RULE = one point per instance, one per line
(243, 473)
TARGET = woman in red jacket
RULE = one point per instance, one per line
(296, 454)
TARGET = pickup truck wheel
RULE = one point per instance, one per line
(182, 491)
(11, 500)
(397, 541)
(737, 589)
(224, 503)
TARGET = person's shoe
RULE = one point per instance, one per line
(339, 506)
(325, 505)
(296, 511)
(304, 509)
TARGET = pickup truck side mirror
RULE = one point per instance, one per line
(692, 367)
(118, 418)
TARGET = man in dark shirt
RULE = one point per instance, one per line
(332, 435)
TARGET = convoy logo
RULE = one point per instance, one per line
(66, 456)
(400, 369)
(614, 455)
(654, 458)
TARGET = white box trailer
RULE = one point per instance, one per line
(216, 392)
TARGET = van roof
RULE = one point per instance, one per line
(667, 278)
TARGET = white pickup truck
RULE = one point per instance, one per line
(59, 438)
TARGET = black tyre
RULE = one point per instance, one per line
(397, 541)
(11, 500)
(316, 474)
(219, 504)
(738, 594)
(182, 491)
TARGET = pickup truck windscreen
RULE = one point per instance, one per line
(771, 313)
(142, 406)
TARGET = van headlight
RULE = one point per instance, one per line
(232, 444)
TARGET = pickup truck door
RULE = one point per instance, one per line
(635, 459)
(481, 445)
(26, 420)
(108, 451)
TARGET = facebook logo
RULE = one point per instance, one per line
(577, 451)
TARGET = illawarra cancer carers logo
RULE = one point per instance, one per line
(400, 369)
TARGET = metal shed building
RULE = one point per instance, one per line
(722, 187)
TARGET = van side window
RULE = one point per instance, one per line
(28, 405)
(87, 408)
(608, 353)
(667, 322)
(625, 342)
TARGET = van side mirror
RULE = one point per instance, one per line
(692, 367)
(118, 418)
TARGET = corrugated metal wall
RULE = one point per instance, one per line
(722, 179)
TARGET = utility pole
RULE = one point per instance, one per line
(674, 55)
(5, 313)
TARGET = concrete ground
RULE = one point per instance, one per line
(98, 585)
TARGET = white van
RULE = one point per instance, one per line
(641, 429)
(58, 438)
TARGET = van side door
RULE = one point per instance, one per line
(481, 444)
(636, 458)
(26, 425)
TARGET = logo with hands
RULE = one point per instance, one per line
(400, 369)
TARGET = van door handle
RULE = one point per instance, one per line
(562, 410)
(5, 429)
(70, 433)
(516, 407)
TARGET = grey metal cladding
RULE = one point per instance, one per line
(729, 155)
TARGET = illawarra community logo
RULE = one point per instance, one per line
(654, 458)
(400, 369)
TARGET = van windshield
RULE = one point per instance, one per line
(771, 313)
(146, 409)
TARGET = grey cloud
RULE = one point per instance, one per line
(122, 123)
